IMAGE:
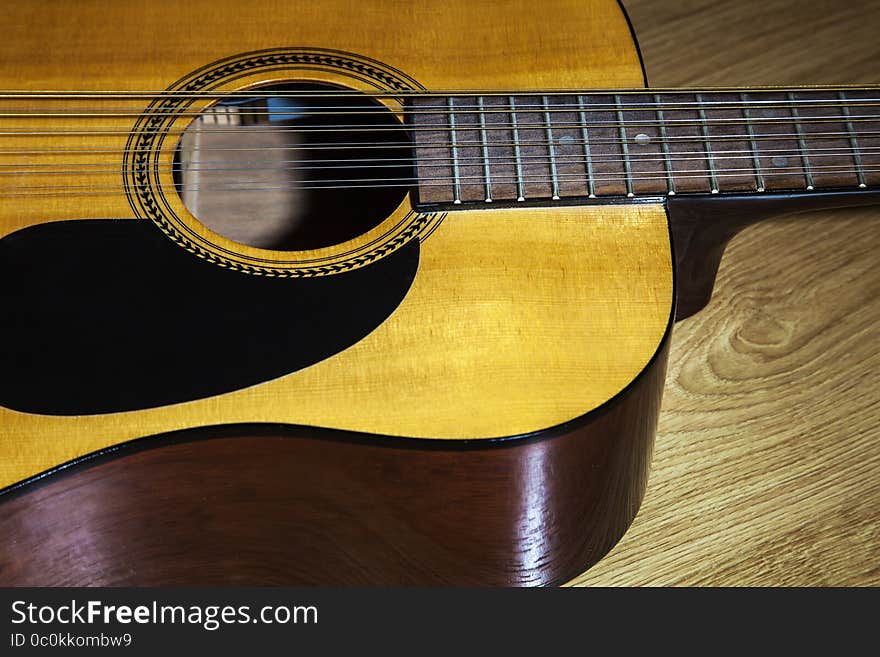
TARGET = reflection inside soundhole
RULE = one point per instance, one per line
(293, 166)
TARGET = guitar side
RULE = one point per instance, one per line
(271, 505)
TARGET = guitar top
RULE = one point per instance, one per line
(440, 325)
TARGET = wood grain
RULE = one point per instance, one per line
(767, 460)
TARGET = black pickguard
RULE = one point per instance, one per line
(109, 315)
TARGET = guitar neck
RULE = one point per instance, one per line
(555, 146)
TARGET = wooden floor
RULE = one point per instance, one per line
(767, 463)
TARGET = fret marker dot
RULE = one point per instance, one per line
(642, 139)
(780, 161)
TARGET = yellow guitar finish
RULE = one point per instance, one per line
(518, 319)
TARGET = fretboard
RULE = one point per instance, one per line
(495, 147)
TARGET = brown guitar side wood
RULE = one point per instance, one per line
(269, 505)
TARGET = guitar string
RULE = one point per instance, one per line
(788, 103)
(668, 123)
(841, 149)
(467, 144)
(408, 144)
(394, 182)
(78, 112)
(396, 93)
(471, 161)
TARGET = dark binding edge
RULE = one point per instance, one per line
(635, 40)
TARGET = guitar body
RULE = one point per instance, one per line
(447, 397)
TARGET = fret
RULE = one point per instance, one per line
(606, 146)
(649, 176)
(502, 169)
(520, 185)
(588, 156)
(710, 159)
(686, 144)
(802, 145)
(551, 149)
(456, 178)
(670, 181)
(774, 129)
(568, 146)
(532, 128)
(485, 143)
(624, 147)
(472, 170)
(731, 152)
(760, 186)
(432, 161)
(853, 140)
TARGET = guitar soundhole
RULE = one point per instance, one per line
(294, 166)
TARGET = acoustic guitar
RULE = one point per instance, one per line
(360, 293)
